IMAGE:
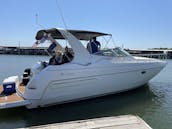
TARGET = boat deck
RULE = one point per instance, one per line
(14, 97)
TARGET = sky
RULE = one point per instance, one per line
(134, 24)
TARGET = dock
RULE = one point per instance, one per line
(114, 122)
(151, 53)
(13, 50)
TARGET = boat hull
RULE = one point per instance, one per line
(87, 83)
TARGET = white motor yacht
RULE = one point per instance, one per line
(81, 75)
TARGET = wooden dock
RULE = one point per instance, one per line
(116, 122)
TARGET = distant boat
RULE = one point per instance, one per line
(78, 74)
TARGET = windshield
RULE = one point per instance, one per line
(121, 52)
(116, 52)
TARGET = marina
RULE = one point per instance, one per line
(36, 89)
(83, 77)
(41, 85)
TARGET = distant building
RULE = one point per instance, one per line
(23, 50)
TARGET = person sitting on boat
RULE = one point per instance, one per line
(89, 46)
(56, 58)
(52, 60)
(67, 55)
(93, 46)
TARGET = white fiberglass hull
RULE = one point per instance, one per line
(61, 86)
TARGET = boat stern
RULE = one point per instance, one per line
(11, 94)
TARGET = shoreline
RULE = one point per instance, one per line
(154, 53)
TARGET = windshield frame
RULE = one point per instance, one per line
(115, 52)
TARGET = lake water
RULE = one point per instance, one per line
(152, 102)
